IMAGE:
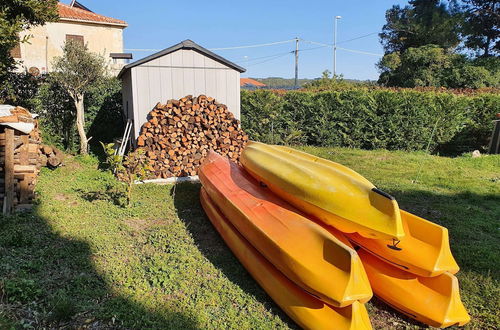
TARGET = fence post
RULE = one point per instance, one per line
(9, 170)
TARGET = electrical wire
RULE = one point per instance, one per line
(253, 46)
(263, 45)
(360, 52)
(316, 43)
(223, 48)
(141, 50)
(259, 58)
(314, 48)
(271, 59)
(364, 36)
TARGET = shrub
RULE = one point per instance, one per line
(103, 115)
(371, 118)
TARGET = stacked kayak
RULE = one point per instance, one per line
(308, 311)
(317, 279)
(407, 259)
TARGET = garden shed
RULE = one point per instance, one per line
(183, 69)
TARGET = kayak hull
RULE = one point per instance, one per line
(306, 310)
(332, 193)
(302, 250)
(431, 300)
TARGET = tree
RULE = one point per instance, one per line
(481, 28)
(16, 16)
(422, 66)
(128, 169)
(433, 66)
(422, 22)
(77, 71)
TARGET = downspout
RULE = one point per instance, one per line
(47, 54)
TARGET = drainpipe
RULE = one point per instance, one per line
(47, 54)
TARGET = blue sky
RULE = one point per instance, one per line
(155, 24)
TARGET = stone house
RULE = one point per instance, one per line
(102, 35)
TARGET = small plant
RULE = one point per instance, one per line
(63, 308)
(129, 168)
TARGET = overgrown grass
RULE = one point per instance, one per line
(80, 259)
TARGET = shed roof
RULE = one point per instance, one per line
(186, 44)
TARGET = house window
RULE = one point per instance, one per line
(76, 38)
(16, 51)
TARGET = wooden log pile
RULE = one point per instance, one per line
(21, 158)
(179, 134)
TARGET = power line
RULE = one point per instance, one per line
(261, 45)
(223, 48)
(253, 46)
(141, 50)
(317, 43)
(271, 59)
(364, 36)
(314, 48)
(359, 51)
(259, 58)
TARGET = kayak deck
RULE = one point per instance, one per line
(424, 251)
(329, 191)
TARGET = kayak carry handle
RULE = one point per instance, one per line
(383, 193)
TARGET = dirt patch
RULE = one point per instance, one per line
(61, 197)
(64, 198)
(143, 224)
(71, 164)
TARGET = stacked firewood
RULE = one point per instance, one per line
(179, 134)
(18, 171)
(21, 158)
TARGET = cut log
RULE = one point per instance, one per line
(178, 135)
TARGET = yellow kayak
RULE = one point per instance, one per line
(333, 193)
(307, 311)
(431, 300)
(424, 251)
(302, 250)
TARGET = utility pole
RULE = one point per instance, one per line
(335, 45)
(296, 62)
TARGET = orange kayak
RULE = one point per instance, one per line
(431, 300)
(304, 309)
(424, 251)
(302, 250)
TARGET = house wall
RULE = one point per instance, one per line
(178, 74)
(48, 40)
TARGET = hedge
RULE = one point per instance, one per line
(371, 119)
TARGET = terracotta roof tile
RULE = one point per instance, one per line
(73, 13)
(249, 81)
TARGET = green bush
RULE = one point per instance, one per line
(371, 119)
(103, 115)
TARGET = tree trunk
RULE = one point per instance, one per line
(80, 122)
(487, 47)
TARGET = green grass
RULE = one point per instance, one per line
(80, 259)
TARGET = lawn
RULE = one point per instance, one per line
(80, 259)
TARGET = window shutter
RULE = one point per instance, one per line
(76, 38)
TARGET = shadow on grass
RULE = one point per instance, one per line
(50, 281)
(213, 247)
